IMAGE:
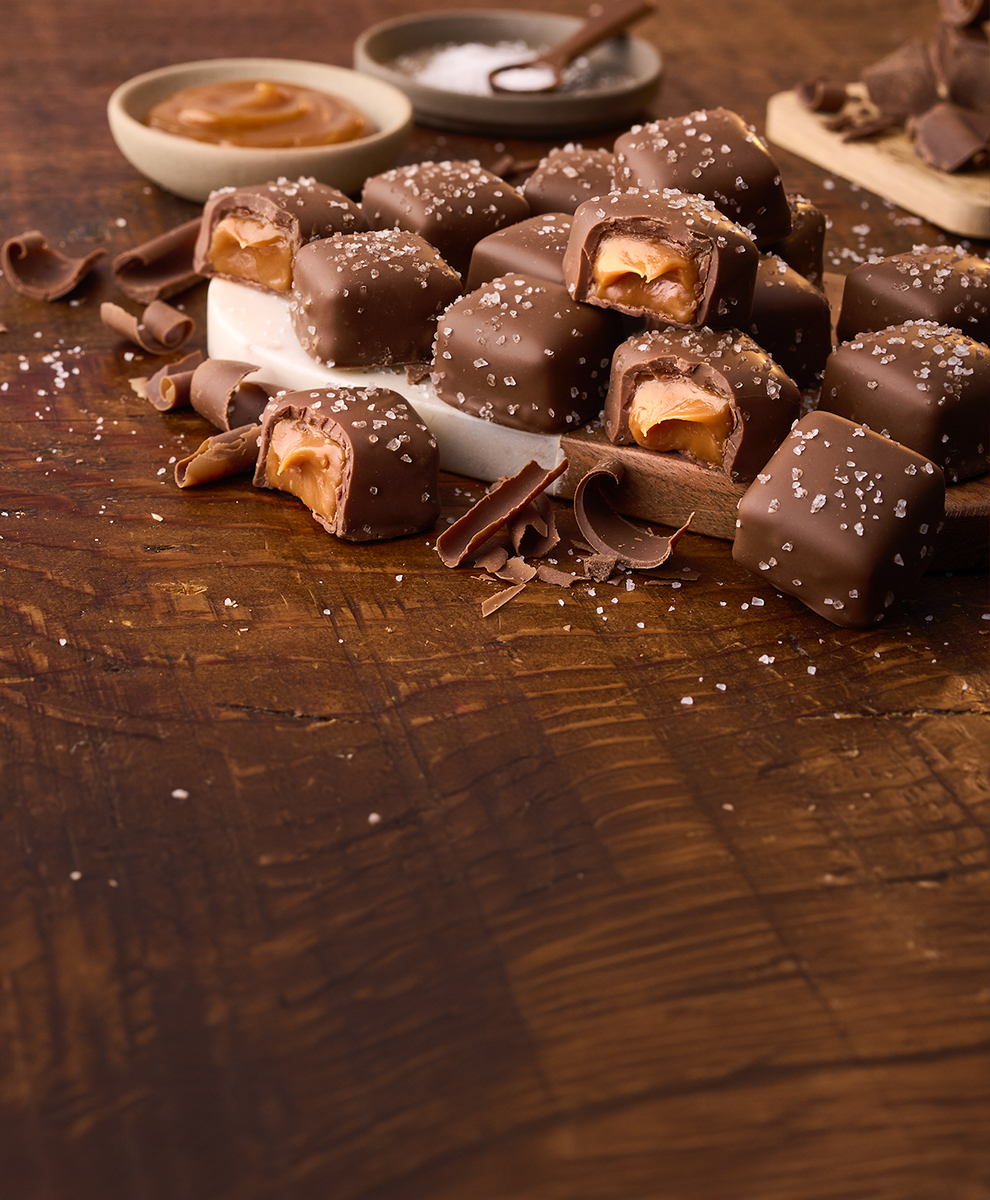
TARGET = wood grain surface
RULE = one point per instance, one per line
(317, 885)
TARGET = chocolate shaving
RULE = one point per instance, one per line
(494, 603)
(608, 532)
(220, 393)
(170, 387)
(549, 574)
(599, 567)
(871, 128)
(534, 529)
(492, 560)
(34, 269)
(159, 268)
(160, 329)
(516, 570)
(821, 94)
(502, 502)
(233, 452)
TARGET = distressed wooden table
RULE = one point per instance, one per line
(316, 883)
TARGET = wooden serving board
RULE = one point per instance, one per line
(666, 489)
(886, 165)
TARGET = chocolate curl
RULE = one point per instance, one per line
(494, 603)
(219, 393)
(608, 532)
(159, 268)
(233, 452)
(169, 388)
(34, 269)
(965, 12)
(161, 329)
(494, 510)
(950, 137)
(534, 529)
(821, 94)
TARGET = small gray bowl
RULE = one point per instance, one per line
(195, 169)
(549, 114)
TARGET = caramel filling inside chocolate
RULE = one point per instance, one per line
(305, 462)
(672, 412)
(249, 248)
(641, 273)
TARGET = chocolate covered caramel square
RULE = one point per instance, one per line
(452, 204)
(360, 459)
(251, 234)
(842, 518)
(715, 397)
(922, 384)
(520, 352)
(791, 320)
(370, 299)
(669, 256)
(567, 176)
(534, 246)
(715, 153)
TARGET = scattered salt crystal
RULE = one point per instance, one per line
(374, 819)
(687, 699)
(180, 794)
(75, 875)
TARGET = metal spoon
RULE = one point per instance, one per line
(543, 72)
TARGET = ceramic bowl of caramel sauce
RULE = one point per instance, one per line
(195, 127)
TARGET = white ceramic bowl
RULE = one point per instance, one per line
(637, 62)
(194, 169)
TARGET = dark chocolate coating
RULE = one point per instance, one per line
(303, 208)
(923, 385)
(764, 402)
(804, 247)
(370, 299)
(941, 283)
(842, 518)
(520, 352)
(725, 256)
(451, 204)
(391, 476)
(961, 61)
(715, 153)
(534, 246)
(567, 176)
(950, 137)
(791, 320)
(903, 82)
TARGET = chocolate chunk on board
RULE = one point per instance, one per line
(520, 352)
(452, 204)
(950, 137)
(567, 176)
(371, 298)
(361, 460)
(718, 398)
(534, 246)
(902, 82)
(670, 256)
(942, 283)
(251, 234)
(922, 384)
(843, 519)
(715, 153)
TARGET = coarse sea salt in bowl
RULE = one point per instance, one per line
(441, 61)
(194, 169)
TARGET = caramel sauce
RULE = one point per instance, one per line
(673, 413)
(259, 113)
(640, 273)
(305, 462)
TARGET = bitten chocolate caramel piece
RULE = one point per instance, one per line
(568, 176)
(251, 234)
(534, 246)
(715, 153)
(453, 205)
(923, 385)
(791, 320)
(667, 255)
(941, 283)
(520, 352)
(718, 398)
(359, 458)
(370, 299)
(842, 518)
(804, 247)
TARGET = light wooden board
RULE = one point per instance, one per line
(886, 165)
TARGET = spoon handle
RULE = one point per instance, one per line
(609, 20)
